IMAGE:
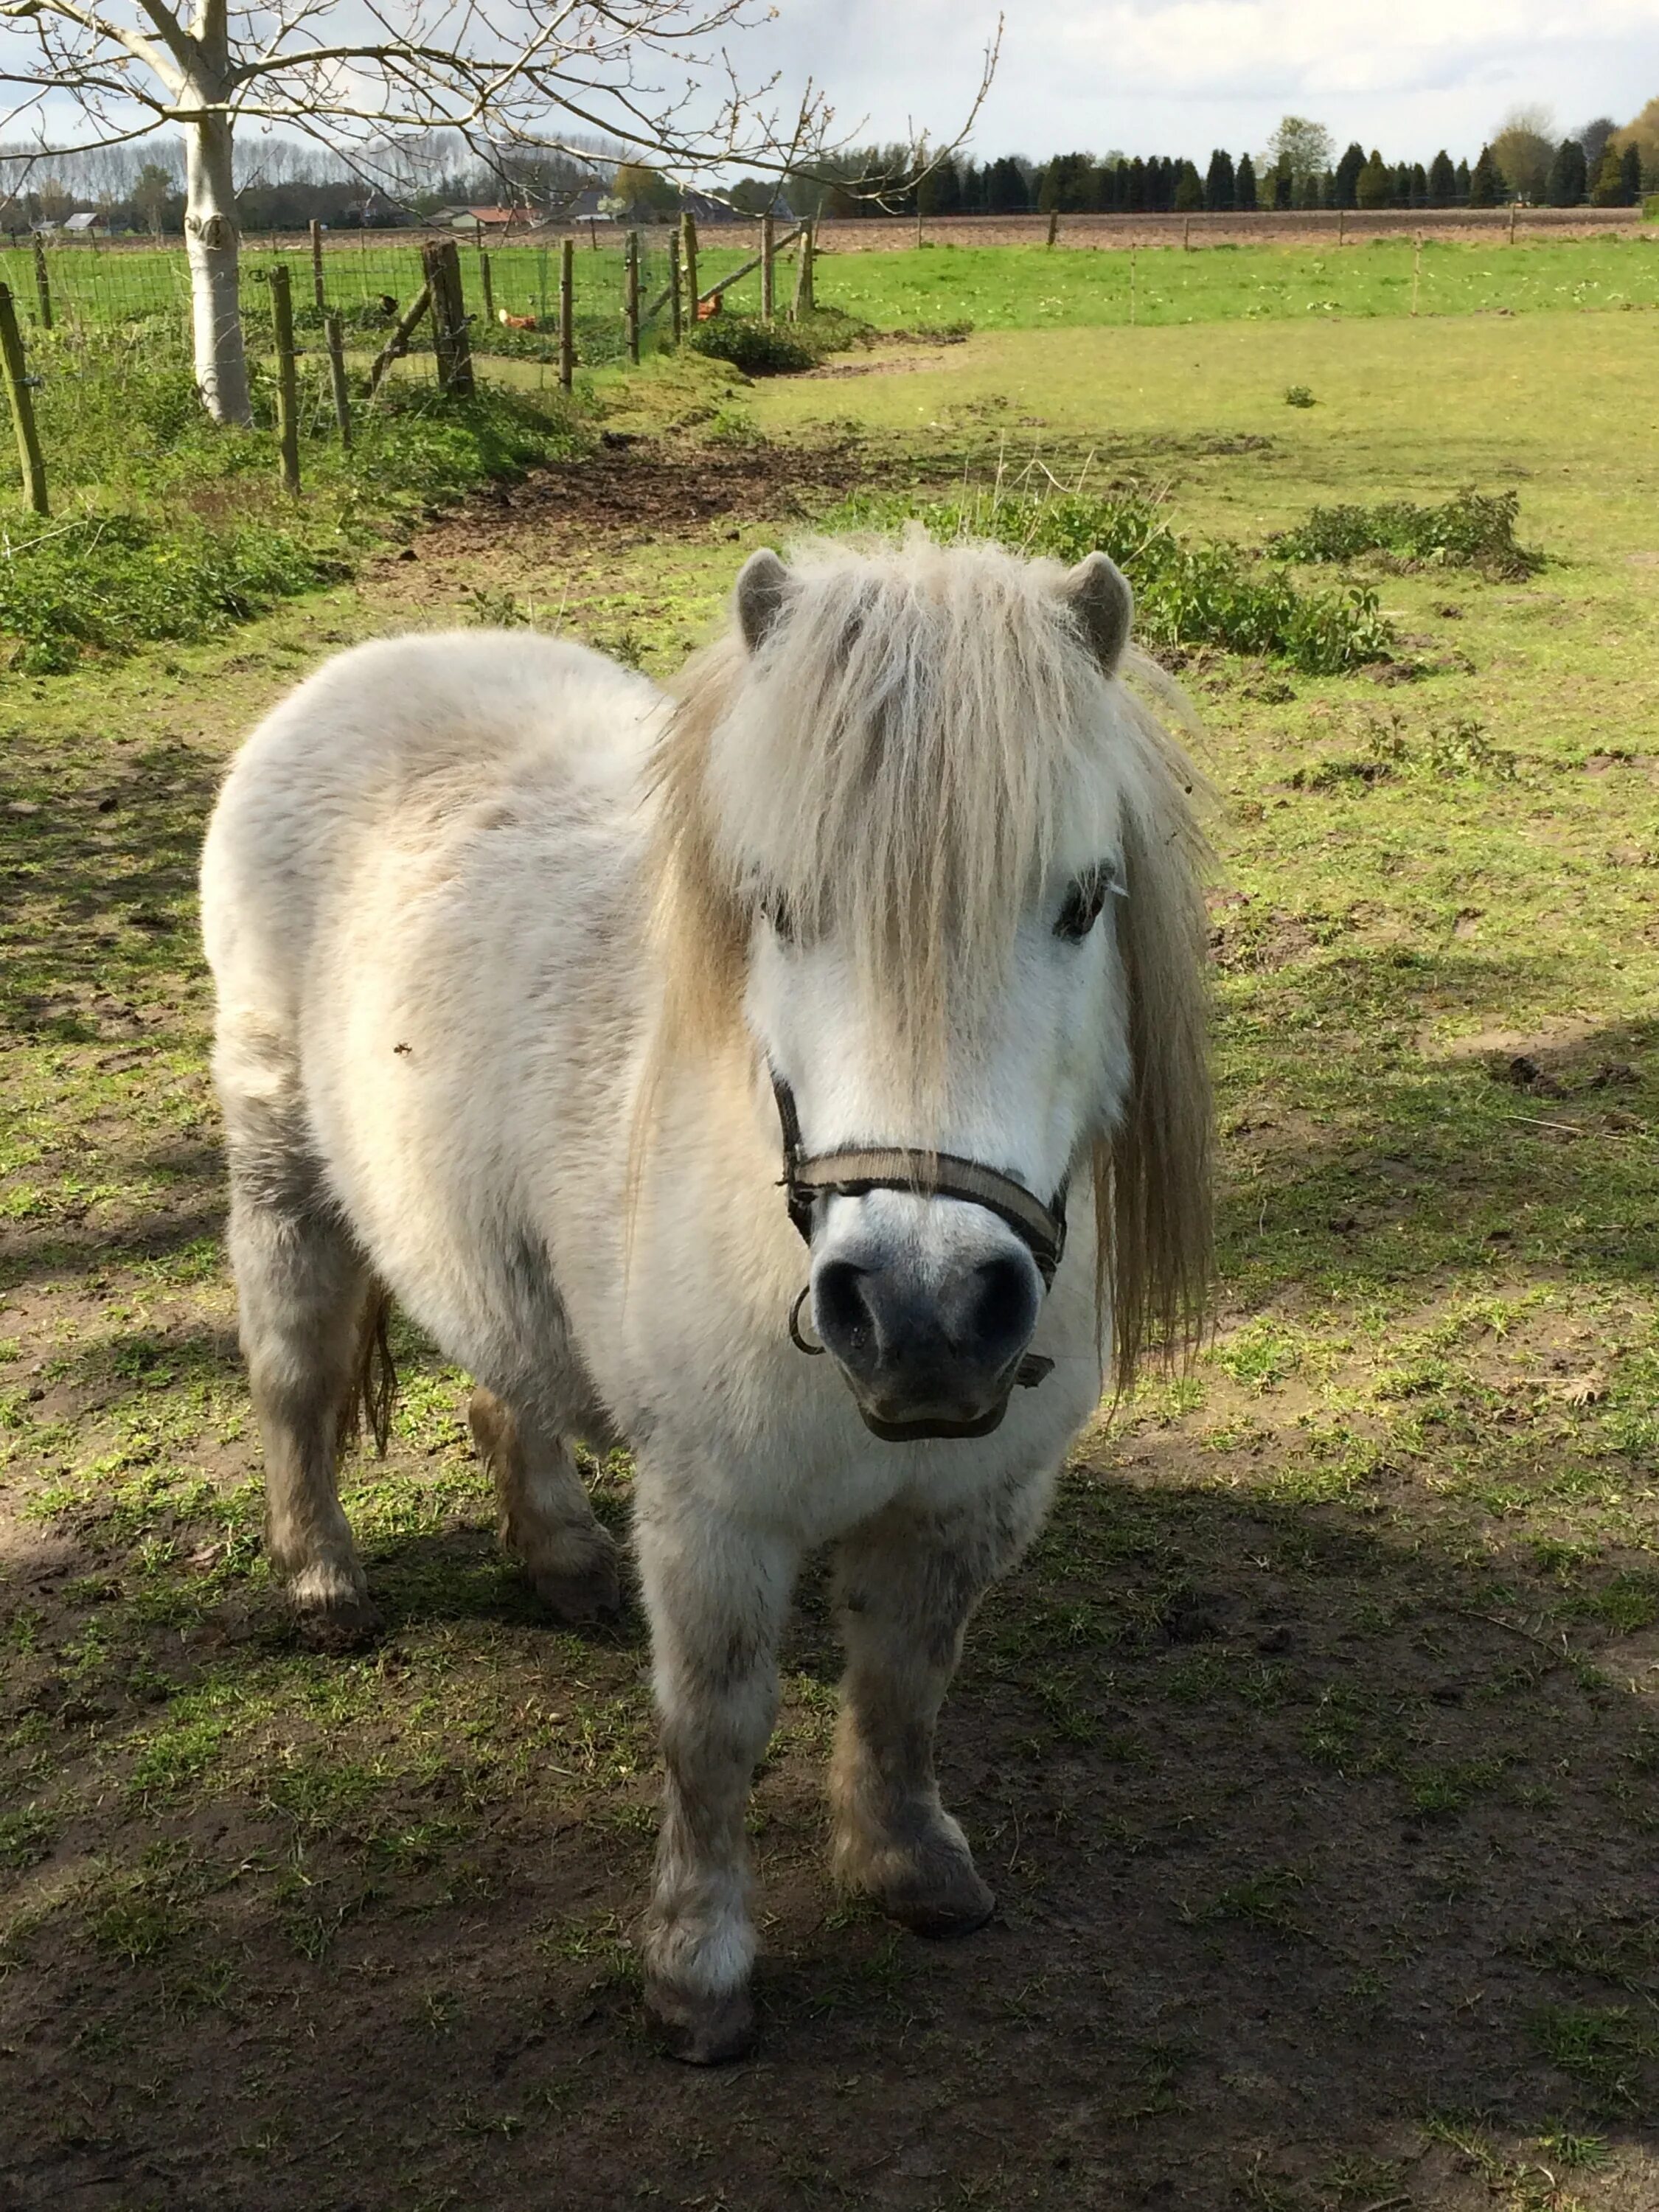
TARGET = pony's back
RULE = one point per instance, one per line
(384, 745)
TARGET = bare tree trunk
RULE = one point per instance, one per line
(212, 242)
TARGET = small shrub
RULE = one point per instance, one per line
(1186, 596)
(1298, 395)
(1475, 530)
(756, 347)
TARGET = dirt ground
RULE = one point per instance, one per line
(1312, 1752)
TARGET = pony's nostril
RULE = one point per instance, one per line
(843, 1313)
(1001, 1309)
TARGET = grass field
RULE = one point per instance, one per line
(1315, 1751)
(993, 286)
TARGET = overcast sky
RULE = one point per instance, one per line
(1183, 75)
(1179, 77)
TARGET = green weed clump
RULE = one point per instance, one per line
(116, 581)
(757, 348)
(1475, 530)
(167, 528)
(1187, 597)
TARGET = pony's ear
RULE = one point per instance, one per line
(1096, 591)
(762, 582)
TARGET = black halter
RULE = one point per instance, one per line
(854, 1174)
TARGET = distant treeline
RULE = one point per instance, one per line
(282, 185)
(1116, 184)
(1600, 162)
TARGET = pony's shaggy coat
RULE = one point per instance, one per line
(504, 939)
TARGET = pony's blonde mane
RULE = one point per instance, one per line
(898, 755)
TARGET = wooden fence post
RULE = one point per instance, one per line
(675, 296)
(441, 260)
(487, 285)
(287, 391)
(806, 247)
(397, 343)
(335, 334)
(688, 243)
(767, 295)
(42, 284)
(631, 293)
(1054, 226)
(1417, 270)
(567, 314)
(22, 406)
(320, 297)
(1514, 205)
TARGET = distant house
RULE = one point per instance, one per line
(592, 204)
(487, 221)
(93, 223)
(708, 210)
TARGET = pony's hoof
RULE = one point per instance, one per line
(341, 1623)
(955, 1906)
(700, 2030)
(586, 1594)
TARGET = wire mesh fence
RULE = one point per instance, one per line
(511, 288)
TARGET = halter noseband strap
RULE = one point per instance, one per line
(1041, 1229)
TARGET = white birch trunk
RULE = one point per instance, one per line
(213, 243)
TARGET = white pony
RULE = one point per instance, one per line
(535, 985)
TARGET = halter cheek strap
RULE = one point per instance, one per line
(854, 1174)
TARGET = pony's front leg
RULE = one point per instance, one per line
(905, 1584)
(716, 1593)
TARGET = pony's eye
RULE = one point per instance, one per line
(1083, 901)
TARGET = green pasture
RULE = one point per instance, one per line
(1020, 288)
(993, 288)
(1314, 1753)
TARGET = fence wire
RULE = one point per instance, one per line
(510, 289)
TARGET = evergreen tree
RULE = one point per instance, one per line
(1220, 184)
(1069, 185)
(1005, 189)
(1190, 191)
(1399, 184)
(1244, 186)
(1137, 192)
(1566, 187)
(1348, 176)
(1629, 170)
(1462, 182)
(1373, 187)
(1608, 190)
(940, 190)
(1419, 195)
(1284, 184)
(1442, 181)
(1487, 187)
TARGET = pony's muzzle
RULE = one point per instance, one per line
(928, 1317)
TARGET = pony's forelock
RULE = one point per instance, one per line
(899, 764)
